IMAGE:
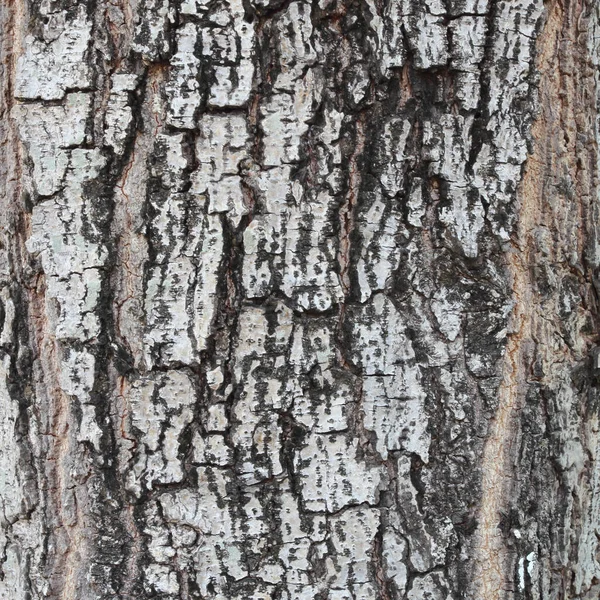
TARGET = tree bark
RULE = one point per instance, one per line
(299, 300)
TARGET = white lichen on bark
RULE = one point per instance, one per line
(297, 300)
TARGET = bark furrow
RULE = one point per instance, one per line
(298, 300)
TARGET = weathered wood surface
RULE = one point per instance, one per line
(299, 300)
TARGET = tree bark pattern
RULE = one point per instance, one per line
(299, 300)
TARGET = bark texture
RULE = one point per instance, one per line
(299, 300)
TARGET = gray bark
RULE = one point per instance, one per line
(299, 300)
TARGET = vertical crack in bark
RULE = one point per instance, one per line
(18, 492)
(12, 18)
(492, 572)
(347, 210)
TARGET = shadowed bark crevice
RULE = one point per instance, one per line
(298, 300)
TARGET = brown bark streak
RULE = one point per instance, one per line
(533, 327)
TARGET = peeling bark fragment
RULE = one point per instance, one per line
(230, 52)
(388, 41)
(426, 32)
(303, 259)
(49, 133)
(448, 147)
(468, 35)
(393, 155)
(118, 113)
(220, 149)
(432, 586)
(255, 432)
(379, 337)
(379, 228)
(331, 475)
(309, 278)
(183, 277)
(11, 503)
(394, 555)
(395, 412)
(429, 537)
(225, 536)
(183, 89)
(327, 409)
(353, 534)
(56, 63)
(71, 260)
(180, 298)
(152, 32)
(160, 410)
(218, 57)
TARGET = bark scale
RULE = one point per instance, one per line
(299, 300)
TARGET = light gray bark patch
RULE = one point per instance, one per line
(57, 61)
(288, 309)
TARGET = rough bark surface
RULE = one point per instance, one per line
(299, 300)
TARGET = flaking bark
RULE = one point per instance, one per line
(298, 301)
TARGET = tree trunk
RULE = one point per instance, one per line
(299, 300)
